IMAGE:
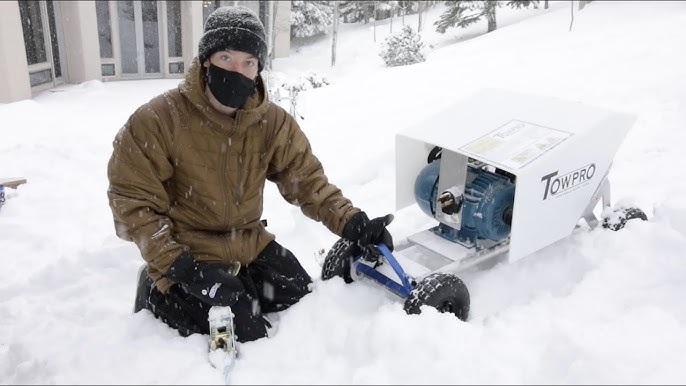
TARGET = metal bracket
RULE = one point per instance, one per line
(401, 289)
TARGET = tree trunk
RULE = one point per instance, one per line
(401, 9)
(334, 33)
(272, 33)
(375, 17)
(391, 21)
(420, 7)
(571, 8)
(546, 4)
(267, 16)
(489, 10)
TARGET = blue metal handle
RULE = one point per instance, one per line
(402, 289)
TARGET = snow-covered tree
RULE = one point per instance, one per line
(462, 13)
(284, 90)
(402, 48)
(310, 18)
(517, 4)
(356, 11)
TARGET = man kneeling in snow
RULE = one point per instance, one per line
(187, 175)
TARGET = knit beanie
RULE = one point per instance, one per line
(233, 28)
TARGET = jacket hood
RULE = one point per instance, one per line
(193, 89)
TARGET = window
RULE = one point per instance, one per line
(151, 39)
(174, 36)
(107, 69)
(176, 67)
(40, 77)
(102, 10)
(32, 26)
(127, 37)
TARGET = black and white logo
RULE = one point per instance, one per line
(567, 183)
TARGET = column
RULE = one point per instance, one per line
(14, 83)
(282, 29)
(80, 25)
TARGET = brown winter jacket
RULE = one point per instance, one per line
(183, 176)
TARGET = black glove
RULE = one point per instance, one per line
(365, 231)
(211, 283)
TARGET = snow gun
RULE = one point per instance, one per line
(504, 175)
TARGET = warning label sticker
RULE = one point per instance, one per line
(516, 143)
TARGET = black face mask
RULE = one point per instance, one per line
(229, 87)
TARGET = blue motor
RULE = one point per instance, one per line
(486, 205)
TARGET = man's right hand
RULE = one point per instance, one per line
(211, 283)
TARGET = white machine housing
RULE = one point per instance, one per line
(560, 153)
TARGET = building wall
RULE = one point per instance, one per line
(282, 29)
(79, 41)
(192, 28)
(14, 68)
(82, 50)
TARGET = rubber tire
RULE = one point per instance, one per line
(628, 214)
(443, 291)
(339, 260)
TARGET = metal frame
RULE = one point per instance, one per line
(401, 283)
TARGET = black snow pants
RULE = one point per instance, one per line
(274, 281)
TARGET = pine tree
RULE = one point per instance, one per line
(462, 13)
(310, 18)
(355, 11)
(522, 4)
(402, 48)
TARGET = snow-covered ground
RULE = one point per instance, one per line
(597, 307)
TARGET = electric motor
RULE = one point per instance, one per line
(486, 206)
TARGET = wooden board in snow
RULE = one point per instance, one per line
(12, 182)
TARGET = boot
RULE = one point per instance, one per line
(143, 290)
